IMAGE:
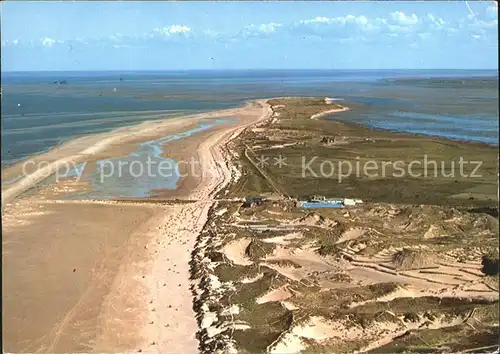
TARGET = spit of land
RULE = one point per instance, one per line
(192, 269)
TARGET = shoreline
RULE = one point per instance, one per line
(396, 133)
(200, 116)
(170, 114)
(88, 147)
(143, 131)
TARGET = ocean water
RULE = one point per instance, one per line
(44, 109)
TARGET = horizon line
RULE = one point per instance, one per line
(244, 69)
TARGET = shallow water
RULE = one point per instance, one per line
(140, 173)
(468, 112)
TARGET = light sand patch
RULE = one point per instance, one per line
(235, 251)
(306, 258)
(236, 173)
(313, 219)
(400, 292)
(213, 331)
(258, 130)
(283, 240)
(273, 212)
(329, 100)
(231, 310)
(352, 234)
(252, 279)
(240, 326)
(221, 212)
(11, 221)
(364, 275)
(291, 273)
(279, 146)
(289, 305)
(275, 295)
(317, 329)
(434, 231)
(208, 319)
(330, 111)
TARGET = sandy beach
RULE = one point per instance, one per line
(103, 276)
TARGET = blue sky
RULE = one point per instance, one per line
(239, 35)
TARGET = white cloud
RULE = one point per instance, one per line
(343, 20)
(362, 20)
(438, 21)
(269, 27)
(343, 28)
(13, 42)
(171, 30)
(48, 42)
(339, 27)
(179, 29)
(404, 20)
(260, 30)
(319, 19)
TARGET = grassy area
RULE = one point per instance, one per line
(454, 339)
(386, 269)
(431, 166)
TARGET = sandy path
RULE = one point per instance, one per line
(172, 325)
(330, 111)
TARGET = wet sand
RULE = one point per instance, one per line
(92, 276)
(59, 262)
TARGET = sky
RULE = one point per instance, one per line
(77, 35)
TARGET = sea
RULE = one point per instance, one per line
(41, 110)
